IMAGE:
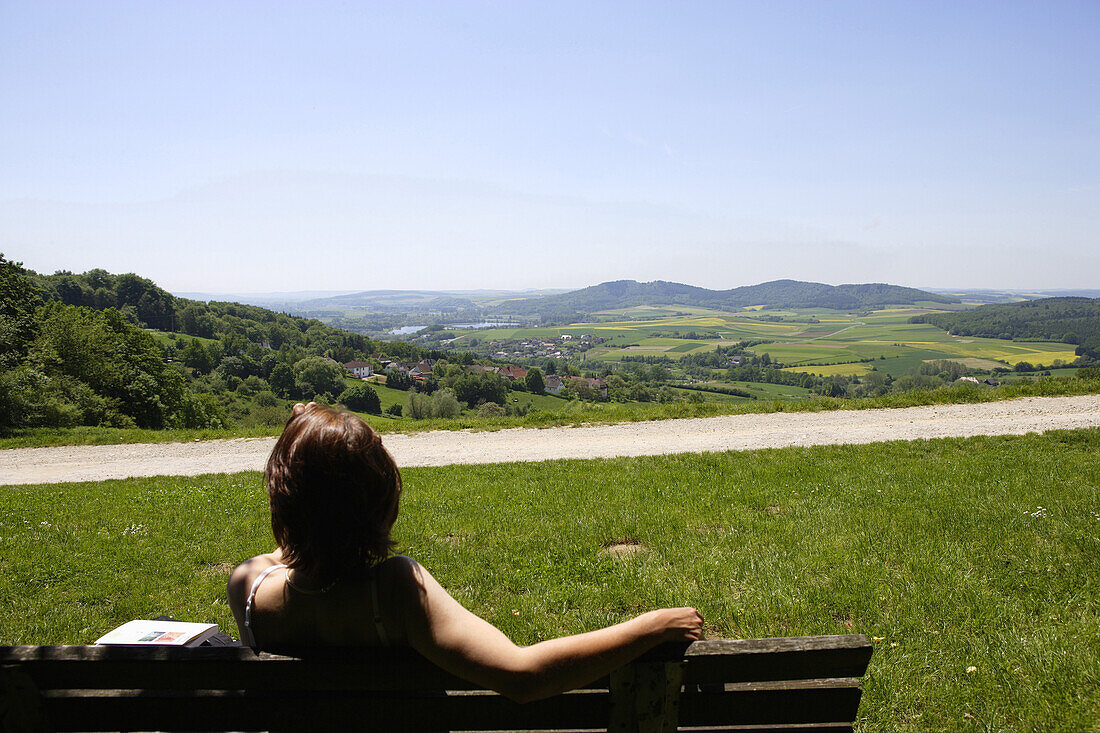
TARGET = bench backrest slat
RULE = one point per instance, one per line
(757, 682)
(220, 711)
(402, 669)
(833, 702)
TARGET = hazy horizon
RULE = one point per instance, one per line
(279, 146)
(302, 295)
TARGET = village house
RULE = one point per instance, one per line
(597, 384)
(552, 383)
(513, 372)
(359, 369)
(422, 368)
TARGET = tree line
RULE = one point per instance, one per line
(82, 349)
(1069, 320)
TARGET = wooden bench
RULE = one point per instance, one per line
(808, 683)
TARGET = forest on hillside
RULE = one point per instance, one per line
(1068, 320)
(117, 350)
(577, 305)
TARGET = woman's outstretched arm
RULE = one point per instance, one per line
(460, 642)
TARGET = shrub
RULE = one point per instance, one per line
(361, 398)
(394, 410)
(445, 404)
(265, 415)
(266, 399)
(490, 409)
(418, 406)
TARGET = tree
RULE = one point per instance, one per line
(197, 357)
(95, 368)
(361, 398)
(534, 381)
(659, 374)
(19, 297)
(232, 366)
(397, 380)
(474, 389)
(282, 380)
(418, 406)
(314, 375)
(445, 404)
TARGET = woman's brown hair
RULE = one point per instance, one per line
(334, 491)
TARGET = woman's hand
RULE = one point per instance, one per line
(676, 624)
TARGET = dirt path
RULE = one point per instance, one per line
(834, 333)
(732, 432)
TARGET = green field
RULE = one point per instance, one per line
(971, 563)
(835, 339)
(828, 370)
(760, 390)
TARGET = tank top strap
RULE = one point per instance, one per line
(383, 640)
(252, 597)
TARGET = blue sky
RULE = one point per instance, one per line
(259, 146)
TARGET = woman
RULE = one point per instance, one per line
(334, 491)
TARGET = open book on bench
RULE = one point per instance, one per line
(162, 632)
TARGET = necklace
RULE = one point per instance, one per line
(307, 591)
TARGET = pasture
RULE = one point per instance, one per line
(969, 562)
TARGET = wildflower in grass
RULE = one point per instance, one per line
(971, 670)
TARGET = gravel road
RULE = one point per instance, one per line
(695, 435)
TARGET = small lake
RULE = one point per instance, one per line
(487, 324)
(407, 330)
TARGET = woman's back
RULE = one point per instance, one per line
(294, 612)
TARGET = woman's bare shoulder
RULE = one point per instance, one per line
(408, 581)
(398, 569)
(242, 577)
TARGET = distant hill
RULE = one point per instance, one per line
(415, 301)
(775, 294)
(986, 295)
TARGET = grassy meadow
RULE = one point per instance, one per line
(971, 563)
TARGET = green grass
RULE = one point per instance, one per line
(86, 435)
(554, 412)
(683, 348)
(950, 554)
